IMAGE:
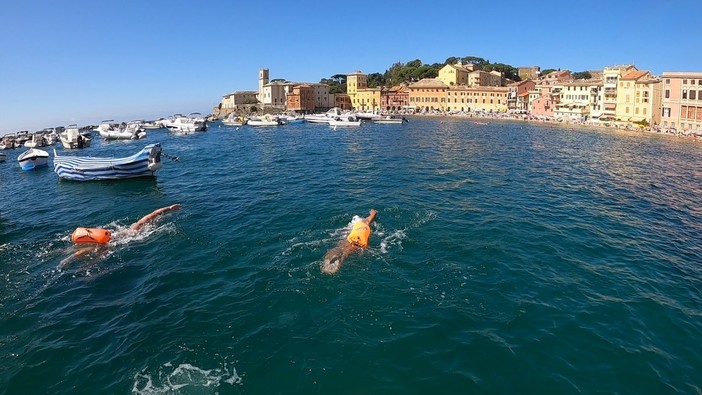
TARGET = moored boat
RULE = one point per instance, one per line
(131, 131)
(8, 142)
(144, 163)
(265, 120)
(234, 120)
(345, 120)
(324, 118)
(37, 140)
(33, 158)
(72, 138)
(182, 124)
(390, 119)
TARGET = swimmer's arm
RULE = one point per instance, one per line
(72, 257)
(150, 217)
(371, 217)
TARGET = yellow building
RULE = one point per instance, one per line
(355, 81)
(638, 98)
(477, 98)
(367, 99)
(455, 74)
(362, 98)
(484, 78)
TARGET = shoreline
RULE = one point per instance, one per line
(529, 119)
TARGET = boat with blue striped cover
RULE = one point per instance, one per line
(144, 163)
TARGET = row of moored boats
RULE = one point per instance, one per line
(334, 117)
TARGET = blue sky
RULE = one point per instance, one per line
(81, 62)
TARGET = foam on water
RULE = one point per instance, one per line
(184, 378)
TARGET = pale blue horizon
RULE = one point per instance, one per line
(82, 61)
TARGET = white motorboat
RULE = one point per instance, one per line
(234, 120)
(50, 136)
(291, 119)
(72, 138)
(144, 163)
(33, 158)
(345, 120)
(181, 124)
(390, 119)
(21, 138)
(131, 131)
(266, 120)
(152, 125)
(8, 142)
(324, 118)
(37, 140)
(107, 125)
(367, 115)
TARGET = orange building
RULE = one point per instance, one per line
(301, 99)
(428, 94)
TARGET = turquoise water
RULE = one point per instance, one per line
(506, 258)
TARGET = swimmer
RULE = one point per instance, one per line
(95, 240)
(357, 240)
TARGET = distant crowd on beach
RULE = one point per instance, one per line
(560, 121)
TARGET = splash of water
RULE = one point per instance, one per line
(184, 378)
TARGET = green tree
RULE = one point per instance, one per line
(475, 60)
(546, 71)
(582, 75)
(375, 80)
(507, 71)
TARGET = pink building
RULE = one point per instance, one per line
(543, 100)
(681, 103)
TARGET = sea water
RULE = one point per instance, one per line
(505, 258)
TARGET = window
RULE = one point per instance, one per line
(667, 80)
(644, 111)
(684, 94)
(693, 95)
(627, 109)
(667, 93)
(684, 82)
(637, 111)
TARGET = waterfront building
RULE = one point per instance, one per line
(557, 77)
(543, 99)
(456, 74)
(484, 78)
(274, 94)
(634, 97)
(362, 97)
(263, 79)
(367, 99)
(476, 98)
(427, 95)
(610, 78)
(301, 99)
(579, 100)
(343, 101)
(518, 95)
(233, 101)
(322, 98)
(681, 101)
(395, 98)
(529, 73)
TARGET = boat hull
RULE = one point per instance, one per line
(33, 159)
(145, 163)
